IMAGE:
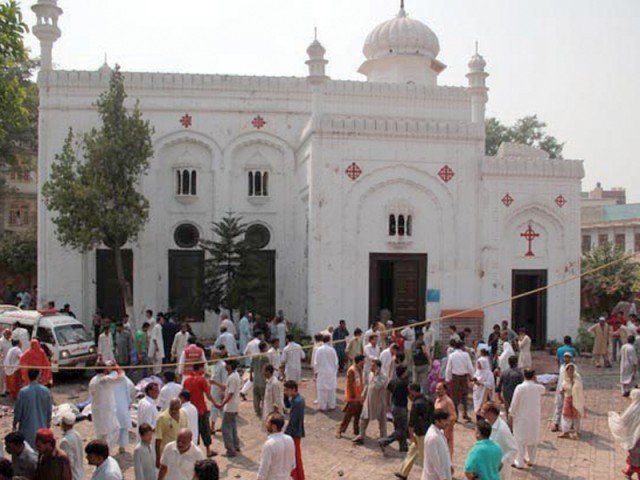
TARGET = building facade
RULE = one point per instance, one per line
(364, 195)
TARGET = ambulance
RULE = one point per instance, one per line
(70, 343)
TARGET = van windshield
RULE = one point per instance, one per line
(72, 333)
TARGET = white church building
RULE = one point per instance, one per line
(362, 195)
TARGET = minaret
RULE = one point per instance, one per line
(316, 62)
(46, 29)
(478, 87)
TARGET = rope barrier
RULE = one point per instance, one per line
(416, 324)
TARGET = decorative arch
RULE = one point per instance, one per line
(194, 137)
(426, 184)
(536, 212)
(249, 139)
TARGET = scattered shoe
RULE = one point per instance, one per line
(401, 477)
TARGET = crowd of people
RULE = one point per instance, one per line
(399, 375)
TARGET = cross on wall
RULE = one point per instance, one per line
(529, 235)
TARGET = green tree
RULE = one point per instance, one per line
(604, 288)
(527, 131)
(18, 95)
(18, 253)
(230, 269)
(93, 190)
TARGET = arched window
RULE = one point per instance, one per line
(193, 182)
(392, 225)
(258, 183)
(186, 182)
(408, 226)
(257, 187)
(401, 225)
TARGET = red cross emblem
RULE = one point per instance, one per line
(561, 201)
(529, 235)
(258, 122)
(353, 171)
(507, 200)
(185, 121)
(446, 173)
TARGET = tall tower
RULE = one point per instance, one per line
(478, 87)
(316, 62)
(46, 29)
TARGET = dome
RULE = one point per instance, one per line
(477, 63)
(401, 35)
(316, 50)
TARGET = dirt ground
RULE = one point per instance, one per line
(593, 457)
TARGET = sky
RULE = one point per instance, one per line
(574, 63)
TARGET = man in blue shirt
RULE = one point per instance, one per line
(485, 458)
(295, 427)
(567, 347)
(33, 408)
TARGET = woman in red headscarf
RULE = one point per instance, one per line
(35, 357)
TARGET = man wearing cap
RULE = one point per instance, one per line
(71, 444)
(602, 333)
(53, 464)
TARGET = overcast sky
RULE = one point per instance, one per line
(576, 63)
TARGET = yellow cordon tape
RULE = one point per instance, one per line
(416, 324)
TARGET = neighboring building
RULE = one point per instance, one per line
(598, 196)
(19, 200)
(617, 224)
(363, 195)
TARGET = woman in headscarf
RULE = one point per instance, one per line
(434, 376)
(484, 382)
(573, 404)
(625, 429)
(35, 357)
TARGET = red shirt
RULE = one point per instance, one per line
(197, 384)
(616, 322)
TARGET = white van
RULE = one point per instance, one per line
(69, 341)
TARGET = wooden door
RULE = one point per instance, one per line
(186, 279)
(397, 282)
(530, 311)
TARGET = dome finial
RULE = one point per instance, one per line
(402, 13)
(476, 47)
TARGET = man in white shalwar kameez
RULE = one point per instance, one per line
(437, 460)
(125, 394)
(507, 352)
(244, 326)
(628, 365)
(501, 434)
(326, 367)
(292, 356)
(227, 339)
(103, 405)
(180, 342)
(525, 410)
(105, 347)
(371, 352)
(156, 347)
